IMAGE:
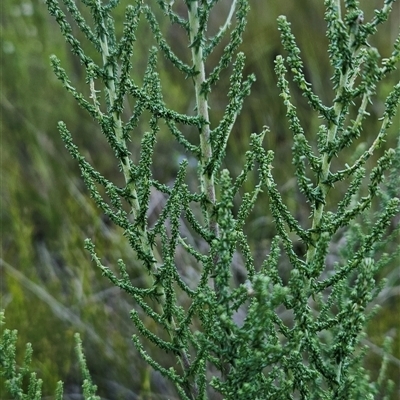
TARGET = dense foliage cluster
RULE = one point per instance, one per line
(265, 335)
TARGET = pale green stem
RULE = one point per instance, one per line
(319, 210)
(361, 110)
(325, 170)
(228, 21)
(339, 9)
(207, 182)
(132, 189)
(376, 143)
(125, 161)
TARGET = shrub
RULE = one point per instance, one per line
(290, 326)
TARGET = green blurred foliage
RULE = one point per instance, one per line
(49, 287)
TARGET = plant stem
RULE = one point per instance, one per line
(326, 163)
(207, 182)
(125, 161)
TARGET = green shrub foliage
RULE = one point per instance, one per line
(289, 327)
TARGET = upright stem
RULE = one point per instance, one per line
(339, 9)
(326, 164)
(125, 161)
(207, 182)
(332, 131)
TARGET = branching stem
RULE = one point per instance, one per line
(326, 163)
(207, 182)
(125, 160)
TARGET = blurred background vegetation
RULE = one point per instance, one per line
(49, 287)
